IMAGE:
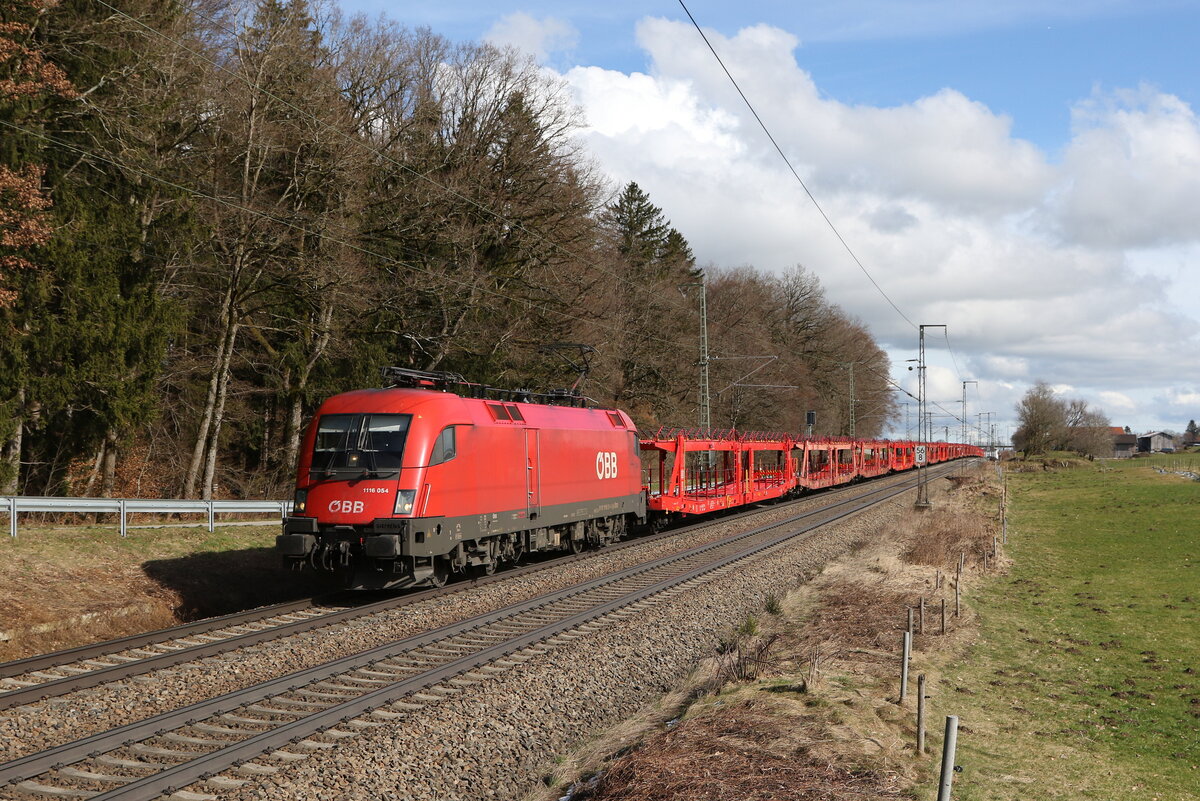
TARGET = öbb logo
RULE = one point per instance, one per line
(347, 507)
(606, 464)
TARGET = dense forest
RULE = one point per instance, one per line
(215, 214)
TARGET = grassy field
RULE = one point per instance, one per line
(104, 585)
(1085, 682)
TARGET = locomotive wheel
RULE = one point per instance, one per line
(577, 545)
(441, 573)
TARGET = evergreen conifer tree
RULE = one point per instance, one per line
(32, 87)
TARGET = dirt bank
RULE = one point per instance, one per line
(70, 585)
(802, 700)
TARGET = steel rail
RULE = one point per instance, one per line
(68, 656)
(179, 776)
(203, 766)
(96, 676)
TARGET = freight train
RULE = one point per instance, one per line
(433, 476)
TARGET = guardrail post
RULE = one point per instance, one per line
(12, 518)
(210, 516)
(121, 511)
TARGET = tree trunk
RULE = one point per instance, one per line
(11, 453)
(108, 478)
(210, 402)
(218, 416)
(94, 473)
(295, 421)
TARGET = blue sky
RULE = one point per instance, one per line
(1027, 172)
(1029, 60)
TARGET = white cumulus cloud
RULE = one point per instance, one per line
(1068, 272)
(1116, 402)
(538, 37)
(1131, 171)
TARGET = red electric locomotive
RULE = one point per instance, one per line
(409, 484)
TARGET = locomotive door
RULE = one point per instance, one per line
(533, 473)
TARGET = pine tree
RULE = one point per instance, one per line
(32, 86)
(641, 229)
(654, 264)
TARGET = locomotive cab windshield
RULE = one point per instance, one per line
(353, 445)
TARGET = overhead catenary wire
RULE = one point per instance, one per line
(792, 169)
(946, 334)
(365, 250)
(894, 384)
(897, 387)
(829, 222)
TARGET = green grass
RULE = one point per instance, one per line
(1086, 681)
(104, 541)
(149, 579)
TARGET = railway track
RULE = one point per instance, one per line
(50, 675)
(214, 742)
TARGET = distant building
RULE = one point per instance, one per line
(1124, 445)
(1155, 442)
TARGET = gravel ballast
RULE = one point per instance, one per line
(492, 740)
(35, 727)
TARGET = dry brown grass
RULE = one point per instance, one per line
(67, 586)
(821, 721)
(48, 607)
(943, 535)
(964, 525)
(858, 617)
(746, 752)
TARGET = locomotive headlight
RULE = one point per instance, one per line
(299, 502)
(404, 502)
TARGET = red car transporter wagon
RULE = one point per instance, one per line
(409, 484)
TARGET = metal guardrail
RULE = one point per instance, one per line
(123, 507)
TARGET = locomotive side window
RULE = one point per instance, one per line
(358, 442)
(515, 413)
(443, 447)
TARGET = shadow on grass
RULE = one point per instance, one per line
(221, 582)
